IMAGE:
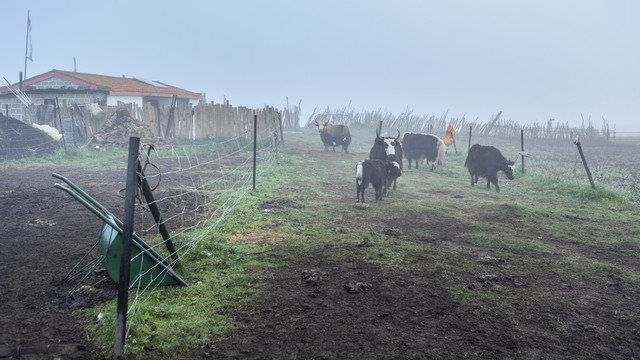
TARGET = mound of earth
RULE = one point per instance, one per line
(19, 140)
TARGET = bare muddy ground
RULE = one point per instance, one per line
(317, 307)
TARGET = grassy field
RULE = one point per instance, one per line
(548, 258)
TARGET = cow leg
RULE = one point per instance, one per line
(472, 183)
(433, 166)
(494, 180)
(360, 193)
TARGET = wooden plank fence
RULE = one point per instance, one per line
(202, 121)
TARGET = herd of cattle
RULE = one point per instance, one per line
(385, 157)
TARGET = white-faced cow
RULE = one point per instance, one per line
(486, 161)
(387, 149)
(376, 172)
(334, 135)
(424, 146)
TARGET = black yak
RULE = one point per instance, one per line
(424, 146)
(387, 149)
(486, 161)
(376, 172)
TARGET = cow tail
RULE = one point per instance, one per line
(359, 173)
(442, 150)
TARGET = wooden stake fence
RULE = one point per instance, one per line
(202, 121)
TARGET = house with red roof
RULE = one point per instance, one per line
(73, 88)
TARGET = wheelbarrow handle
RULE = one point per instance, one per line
(84, 194)
(109, 219)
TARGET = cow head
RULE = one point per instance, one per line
(322, 125)
(394, 169)
(388, 143)
(509, 168)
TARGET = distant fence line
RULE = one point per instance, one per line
(193, 122)
(496, 126)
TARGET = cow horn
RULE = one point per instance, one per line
(398, 135)
(377, 133)
(516, 160)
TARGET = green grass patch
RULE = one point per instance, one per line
(88, 158)
(539, 226)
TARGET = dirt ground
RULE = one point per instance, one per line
(317, 308)
(44, 233)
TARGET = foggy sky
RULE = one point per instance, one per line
(532, 60)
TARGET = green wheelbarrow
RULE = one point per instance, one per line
(148, 268)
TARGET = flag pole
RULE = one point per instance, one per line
(26, 47)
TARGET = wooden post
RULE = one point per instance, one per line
(170, 131)
(227, 119)
(297, 114)
(275, 135)
(64, 141)
(125, 257)
(522, 147)
(454, 143)
(281, 132)
(157, 215)
(150, 116)
(469, 147)
(584, 162)
(255, 140)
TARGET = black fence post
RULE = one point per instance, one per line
(255, 143)
(522, 147)
(155, 211)
(125, 257)
(584, 162)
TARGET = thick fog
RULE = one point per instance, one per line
(532, 60)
